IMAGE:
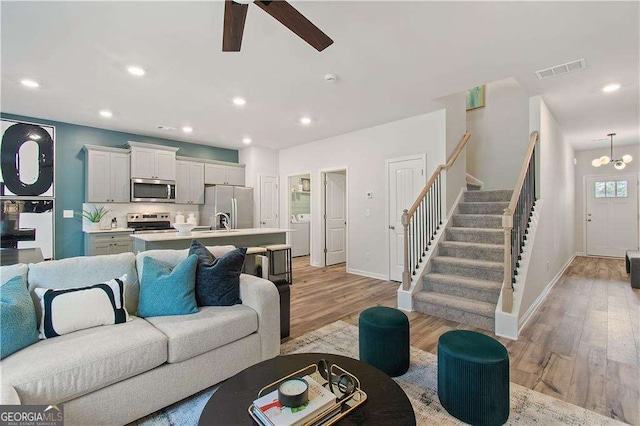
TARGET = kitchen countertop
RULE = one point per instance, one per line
(106, 231)
(210, 234)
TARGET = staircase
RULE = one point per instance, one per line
(466, 275)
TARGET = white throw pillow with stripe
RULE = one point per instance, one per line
(73, 309)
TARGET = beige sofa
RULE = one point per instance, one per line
(116, 374)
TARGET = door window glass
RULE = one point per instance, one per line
(621, 188)
(611, 189)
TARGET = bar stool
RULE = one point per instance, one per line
(282, 279)
(277, 273)
(253, 264)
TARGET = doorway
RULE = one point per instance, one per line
(611, 214)
(300, 214)
(334, 213)
(405, 180)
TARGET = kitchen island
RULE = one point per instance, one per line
(248, 237)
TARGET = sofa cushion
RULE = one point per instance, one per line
(18, 327)
(80, 271)
(173, 257)
(10, 271)
(217, 278)
(168, 290)
(212, 327)
(56, 370)
(73, 309)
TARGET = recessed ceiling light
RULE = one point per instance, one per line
(246, 140)
(187, 129)
(30, 83)
(611, 88)
(239, 101)
(106, 114)
(133, 70)
(305, 120)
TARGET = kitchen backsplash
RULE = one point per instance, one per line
(120, 210)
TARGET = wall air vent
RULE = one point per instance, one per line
(166, 127)
(554, 71)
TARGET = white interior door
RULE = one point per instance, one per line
(406, 179)
(268, 201)
(612, 215)
(336, 218)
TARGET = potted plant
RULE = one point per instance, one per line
(94, 217)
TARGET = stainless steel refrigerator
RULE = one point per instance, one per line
(235, 201)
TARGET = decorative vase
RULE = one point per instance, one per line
(93, 226)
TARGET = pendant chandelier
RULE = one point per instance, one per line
(618, 164)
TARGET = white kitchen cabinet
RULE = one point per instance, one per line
(101, 243)
(152, 161)
(107, 174)
(189, 182)
(219, 174)
(235, 176)
(215, 174)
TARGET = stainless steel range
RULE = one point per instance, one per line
(150, 222)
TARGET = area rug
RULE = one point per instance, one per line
(528, 407)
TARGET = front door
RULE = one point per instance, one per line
(406, 179)
(336, 218)
(612, 215)
(268, 201)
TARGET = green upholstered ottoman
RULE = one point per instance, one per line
(384, 339)
(473, 377)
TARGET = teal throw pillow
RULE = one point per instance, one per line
(167, 291)
(18, 328)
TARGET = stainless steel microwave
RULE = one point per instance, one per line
(153, 191)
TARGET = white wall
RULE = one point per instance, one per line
(363, 154)
(258, 161)
(456, 177)
(499, 135)
(554, 243)
(584, 168)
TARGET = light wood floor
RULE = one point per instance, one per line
(581, 346)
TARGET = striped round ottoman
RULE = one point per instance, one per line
(473, 377)
(384, 339)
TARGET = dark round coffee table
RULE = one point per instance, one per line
(386, 404)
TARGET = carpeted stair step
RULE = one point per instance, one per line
(497, 195)
(473, 186)
(489, 252)
(477, 221)
(483, 207)
(475, 235)
(472, 312)
(468, 288)
(479, 269)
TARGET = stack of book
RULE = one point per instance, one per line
(270, 412)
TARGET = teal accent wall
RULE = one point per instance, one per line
(70, 173)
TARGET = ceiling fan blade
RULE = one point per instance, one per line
(235, 15)
(296, 22)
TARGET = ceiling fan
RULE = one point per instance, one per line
(235, 14)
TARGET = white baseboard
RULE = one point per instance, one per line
(315, 264)
(367, 274)
(580, 253)
(536, 303)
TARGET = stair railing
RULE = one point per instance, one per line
(422, 221)
(516, 219)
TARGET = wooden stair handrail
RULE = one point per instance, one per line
(454, 156)
(507, 225)
(533, 139)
